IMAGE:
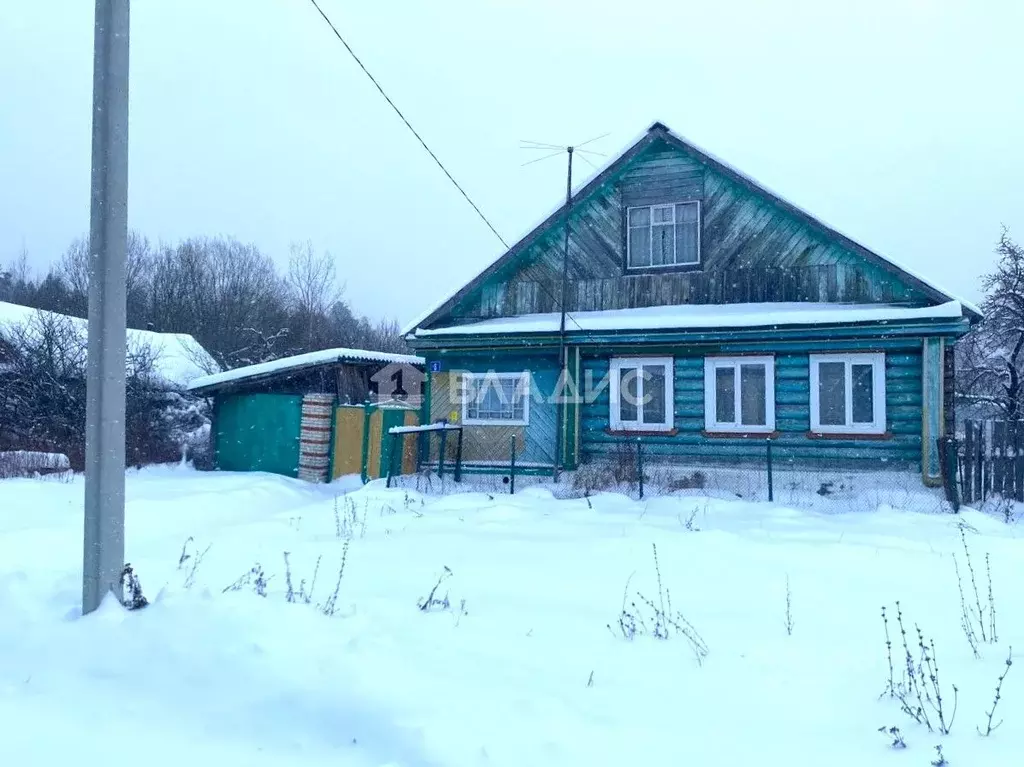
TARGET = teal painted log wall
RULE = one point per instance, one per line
(792, 418)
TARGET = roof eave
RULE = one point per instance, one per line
(283, 374)
(939, 326)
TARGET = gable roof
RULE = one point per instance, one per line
(660, 132)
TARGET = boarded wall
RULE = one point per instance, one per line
(535, 442)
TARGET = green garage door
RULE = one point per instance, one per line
(258, 432)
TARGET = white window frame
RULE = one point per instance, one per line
(616, 366)
(711, 422)
(651, 208)
(877, 361)
(469, 385)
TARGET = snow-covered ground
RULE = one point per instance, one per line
(527, 670)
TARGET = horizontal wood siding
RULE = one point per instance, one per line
(792, 416)
(751, 251)
(662, 175)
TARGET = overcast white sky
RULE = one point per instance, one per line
(899, 122)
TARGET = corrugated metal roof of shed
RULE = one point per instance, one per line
(301, 362)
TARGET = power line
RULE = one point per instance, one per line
(407, 123)
(430, 151)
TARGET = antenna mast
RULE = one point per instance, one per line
(561, 429)
(563, 358)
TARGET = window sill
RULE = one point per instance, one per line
(494, 423)
(849, 435)
(641, 433)
(637, 270)
(739, 434)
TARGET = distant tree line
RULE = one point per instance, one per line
(228, 295)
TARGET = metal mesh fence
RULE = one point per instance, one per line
(629, 469)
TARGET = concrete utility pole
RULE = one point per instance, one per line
(108, 243)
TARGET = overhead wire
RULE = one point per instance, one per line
(408, 124)
(423, 143)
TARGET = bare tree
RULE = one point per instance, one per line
(312, 280)
(73, 269)
(16, 283)
(990, 364)
(225, 293)
(312, 291)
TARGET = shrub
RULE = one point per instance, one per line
(329, 607)
(657, 619)
(131, 590)
(430, 601)
(894, 736)
(255, 578)
(592, 478)
(989, 727)
(25, 463)
(43, 397)
(974, 618)
(919, 690)
(194, 556)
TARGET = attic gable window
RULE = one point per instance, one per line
(660, 236)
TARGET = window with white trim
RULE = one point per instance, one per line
(641, 394)
(848, 393)
(739, 394)
(496, 399)
(663, 235)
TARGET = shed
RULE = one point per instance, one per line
(278, 416)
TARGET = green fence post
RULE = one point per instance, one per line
(640, 466)
(365, 460)
(512, 469)
(768, 462)
(458, 458)
(947, 447)
(440, 457)
(391, 457)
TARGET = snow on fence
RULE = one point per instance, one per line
(415, 438)
(27, 463)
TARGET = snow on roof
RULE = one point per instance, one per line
(178, 357)
(300, 361)
(703, 316)
(658, 125)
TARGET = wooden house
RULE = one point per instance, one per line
(703, 314)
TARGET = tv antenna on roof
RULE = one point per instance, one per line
(554, 150)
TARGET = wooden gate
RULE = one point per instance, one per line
(361, 444)
(992, 460)
(258, 432)
(349, 427)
